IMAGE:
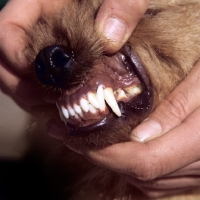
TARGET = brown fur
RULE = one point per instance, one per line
(167, 42)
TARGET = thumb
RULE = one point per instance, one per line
(117, 19)
(173, 110)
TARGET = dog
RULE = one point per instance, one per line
(101, 97)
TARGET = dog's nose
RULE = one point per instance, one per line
(53, 65)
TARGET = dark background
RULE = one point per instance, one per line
(24, 176)
(2, 3)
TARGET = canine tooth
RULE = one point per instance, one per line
(77, 109)
(134, 90)
(100, 98)
(71, 110)
(110, 99)
(84, 105)
(93, 100)
(65, 112)
(92, 109)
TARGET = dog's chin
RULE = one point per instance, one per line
(107, 107)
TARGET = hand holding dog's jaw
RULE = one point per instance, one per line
(16, 18)
(169, 157)
(173, 111)
(117, 19)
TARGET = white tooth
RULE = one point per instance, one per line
(110, 99)
(65, 112)
(118, 90)
(60, 113)
(134, 90)
(129, 89)
(84, 105)
(121, 95)
(137, 90)
(77, 109)
(71, 110)
(92, 109)
(76, 116)
(93, 100)
(81, 114)
(100, 98)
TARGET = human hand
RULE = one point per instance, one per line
(170, 162)
(117, 19)
(16, 19)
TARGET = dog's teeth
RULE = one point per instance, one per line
(60, 113)
(71, 111)
(129, 89)
(121, 95)
(133, 90)
(65, 112)
(76, 116)
(92, 109)
(137, 90)
(84, 105)
(100, 98)
(93, 100)
(111, 101)
(77, 109)
(117, 91)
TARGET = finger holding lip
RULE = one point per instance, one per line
(117, 19)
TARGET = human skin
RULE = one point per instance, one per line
(168, 163)
(17, 18)
(156, 166)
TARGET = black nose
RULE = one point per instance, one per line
(53, 65)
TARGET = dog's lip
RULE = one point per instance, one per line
(95, 127)
(135, 103)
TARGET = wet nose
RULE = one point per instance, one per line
(53, 65)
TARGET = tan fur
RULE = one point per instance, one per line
(167, 43)
(170, 41)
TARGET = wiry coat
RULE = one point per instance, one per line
(167, 42)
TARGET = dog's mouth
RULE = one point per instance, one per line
(119, 84)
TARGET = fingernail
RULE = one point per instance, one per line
(115, 30)
(147, 130)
